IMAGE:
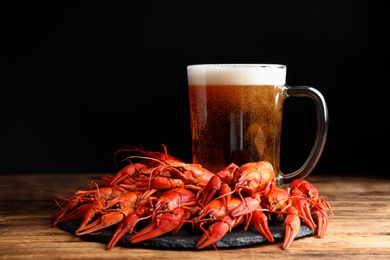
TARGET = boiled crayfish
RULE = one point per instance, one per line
(166, 193)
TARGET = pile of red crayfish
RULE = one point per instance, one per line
(165, 193)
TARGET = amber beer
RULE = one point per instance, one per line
(237, 124)
(236, 115)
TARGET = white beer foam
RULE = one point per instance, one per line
(236, 74)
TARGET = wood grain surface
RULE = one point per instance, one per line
(359, 229)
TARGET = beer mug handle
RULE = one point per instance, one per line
(321, 134)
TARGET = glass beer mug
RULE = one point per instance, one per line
(236, 116)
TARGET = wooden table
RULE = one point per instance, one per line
(360, 228)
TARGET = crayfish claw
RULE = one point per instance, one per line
(247, 206)
(293, 224)
(260, 221)
(210, 189)
(302, 206)
(126, 226)
(104, 221)
(79, 213)
(322, 220)
(162, 223)
(214, 233)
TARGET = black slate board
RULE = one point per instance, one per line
(186, 238)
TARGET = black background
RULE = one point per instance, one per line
(80, 79)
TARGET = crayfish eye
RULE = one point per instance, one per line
(163, 207)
